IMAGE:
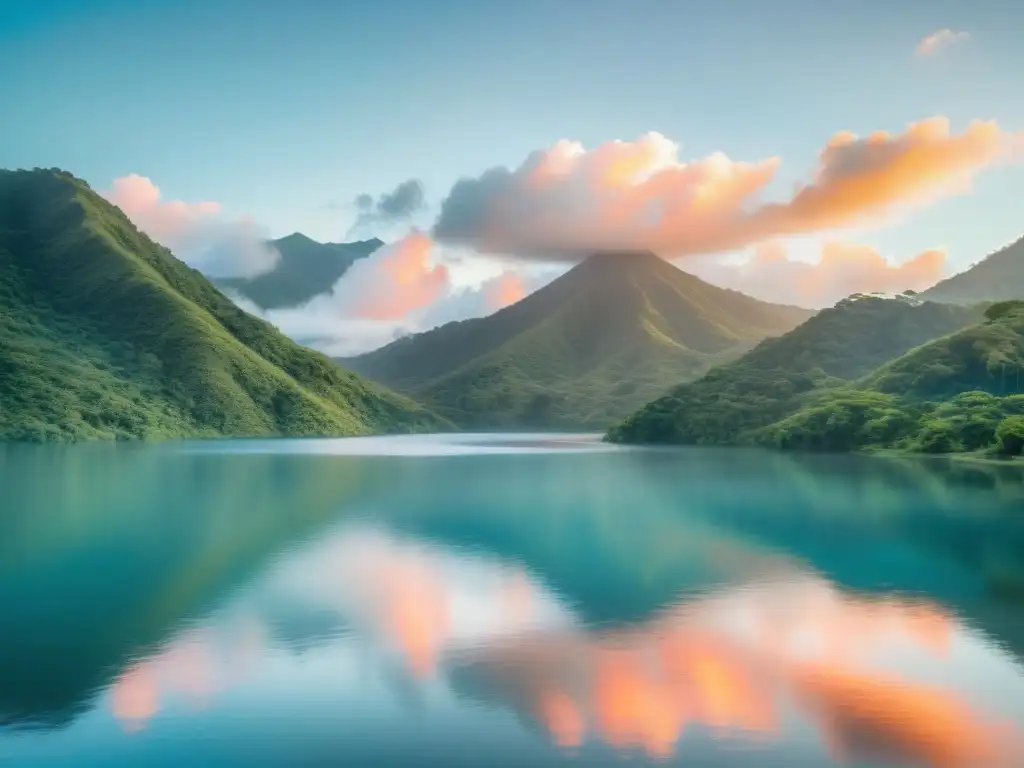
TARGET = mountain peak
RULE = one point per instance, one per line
(295, 238)
(615, 331)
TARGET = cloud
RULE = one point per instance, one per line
(565, 202)
(405, 287)
(393, 207)
(504, 290)
(196, 233)
(394, 281)
(493, 294)
(941, 38)
(842, 269)
(378, 299)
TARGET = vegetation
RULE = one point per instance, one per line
(1010, 436)
(608, 336)
(780, 375)
(961, 392)
(105, 334)
(998, 277)
(306, 269)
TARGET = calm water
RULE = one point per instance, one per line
(506, 601)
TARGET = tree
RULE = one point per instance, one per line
(1010, 436)
(1003, 308)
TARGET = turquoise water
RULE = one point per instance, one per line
(506, 600)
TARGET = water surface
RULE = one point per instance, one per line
(506, 600)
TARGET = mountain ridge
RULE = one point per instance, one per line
(997, 277)
(961, 390)
(306, 268)
(108, 335)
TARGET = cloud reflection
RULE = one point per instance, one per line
(194, 668)
(734, 663)
(738, 663)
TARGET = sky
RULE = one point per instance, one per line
(266, 118)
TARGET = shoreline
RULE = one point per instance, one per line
(971, 457)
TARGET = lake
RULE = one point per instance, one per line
(506, 600)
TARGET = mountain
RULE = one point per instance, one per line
(105, 334)
(998, 277)
(615, 331)
(963, 391)
(842, 343)
(306, 269)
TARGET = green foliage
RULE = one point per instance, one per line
(105, 334)
(732, 403)
(1010, 436)
(959, 392)
(306, 268)
(1003, 309)
(608, 336)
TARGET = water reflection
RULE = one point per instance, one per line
(756, 663)
(518, 608)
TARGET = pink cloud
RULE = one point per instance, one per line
(503, 290)
(842, 269)
(197, 232)
(939, 39)
(565, 202)
(394, 282)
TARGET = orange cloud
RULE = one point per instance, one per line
(192, 666)
(415, 614)
(195, 232)
(135, 698)
(941, 38)
(641, 687)
(566, 202)
(863, 714)
(503, 290)
(394, 281)
(857, 178)
(842, 269)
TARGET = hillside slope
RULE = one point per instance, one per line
(306, 268)
(960, 392)
(998, 277)
(838, 344)
(105, 334)
(610, 334)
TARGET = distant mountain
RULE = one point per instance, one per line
(998, 277)
(959, 392)
(306, 269)
(839, 344)
(104, 334)
(612, 333)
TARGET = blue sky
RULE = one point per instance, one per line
(276, 109)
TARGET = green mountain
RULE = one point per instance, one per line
(105, 334)
(306, 269)
(610, 334)
(839, 344)
(998, 277)
(960, 392)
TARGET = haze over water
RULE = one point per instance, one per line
(506, 600)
